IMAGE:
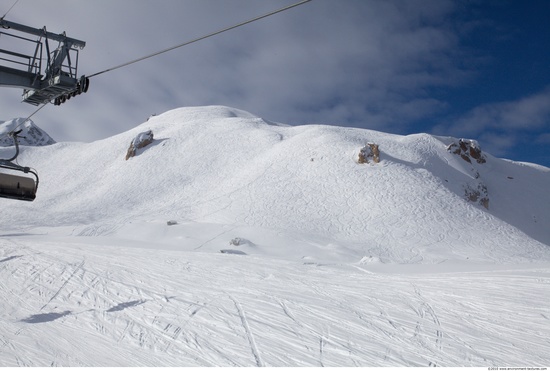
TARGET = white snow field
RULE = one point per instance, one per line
(233, 241)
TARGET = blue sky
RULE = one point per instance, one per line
(472, 69)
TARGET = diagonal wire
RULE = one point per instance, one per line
(169, 49)
(200, 38)
(14, 4)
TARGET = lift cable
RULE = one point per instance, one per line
(200, 38)
(169, 49)
(14, 4)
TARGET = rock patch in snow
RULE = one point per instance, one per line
(234, 252)
(478, 194)
(141, 140)
(467, 149)
(242, 242)
(369, 151)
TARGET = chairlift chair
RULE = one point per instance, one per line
(46, 75)
(14, 186)
(18, 187)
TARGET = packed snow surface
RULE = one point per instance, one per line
(233, 241)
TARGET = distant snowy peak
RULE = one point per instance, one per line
(30, 135)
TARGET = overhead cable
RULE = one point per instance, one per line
(14, 4)
(200, 38)
(169, 49)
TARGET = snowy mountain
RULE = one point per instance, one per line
(230, 240)
(31, 135)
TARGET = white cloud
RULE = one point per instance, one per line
(352, 62)
(501, 126)
(528, 113)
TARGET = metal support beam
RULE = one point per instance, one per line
(42, 32)
(58, 80)
(15, 78)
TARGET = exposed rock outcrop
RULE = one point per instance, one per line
(372, 151)
(140, 141)
(477, 194)
(474, 191)
(239, 241)
(468, 149)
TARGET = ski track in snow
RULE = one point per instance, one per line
(143, 307)
(249, 334)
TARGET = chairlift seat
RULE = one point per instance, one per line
(17, 187)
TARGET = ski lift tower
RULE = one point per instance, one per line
(21, 64)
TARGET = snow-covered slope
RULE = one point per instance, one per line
(224, 166)
(326, 262)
